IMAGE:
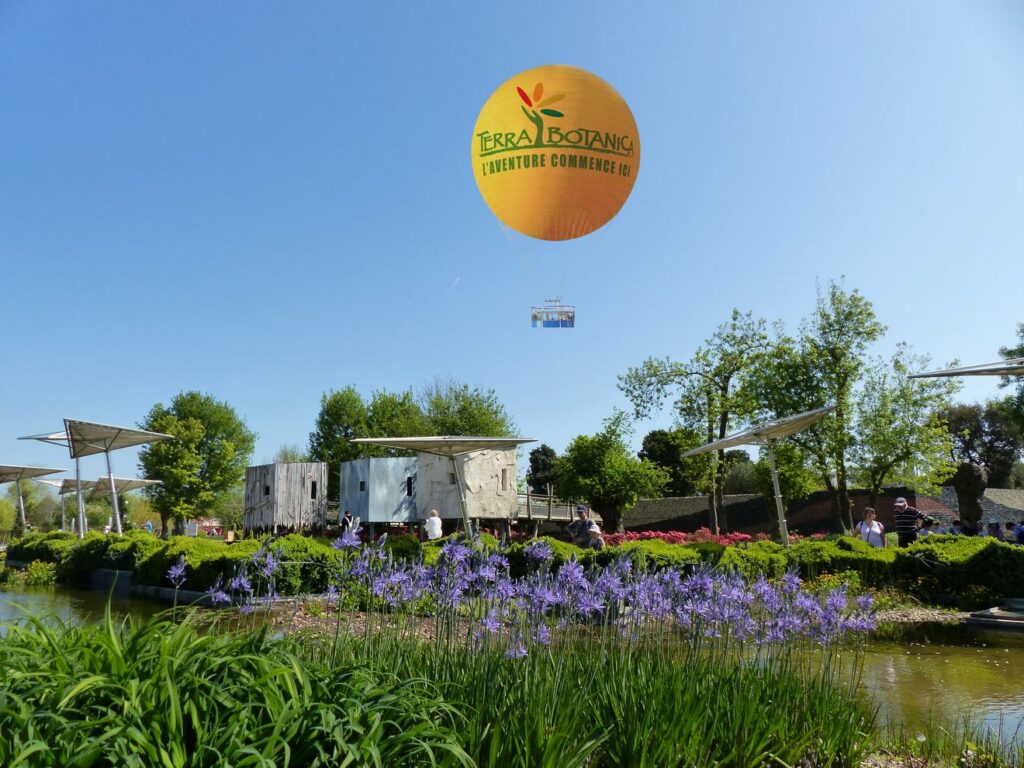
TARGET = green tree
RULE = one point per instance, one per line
(1017, 403)
(290, 454)
(822, 367)
(395, 415)
(740, 473)
(602, 470)
(796, 479)
(900, 437)
(686, 477)
(986, 434)
(205, 462)
(343, 416)
(711, 398)
(8, 515)
(230, 509)
(542, 468)
(452, 408)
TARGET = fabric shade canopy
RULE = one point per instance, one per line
(769, 430)
(67, 485)
(1011, 367)
(87, 438)
(11, 473)
(101, 487)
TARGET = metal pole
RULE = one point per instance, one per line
(462, 496)
(78, 498)
(113, 495)
(21, 507)
(63, 517)
(783, 530)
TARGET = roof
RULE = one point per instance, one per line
(88, 437)
(10, 473)
(769, 430)
(445, 446)
(123, 484)
(1012, 367)
(67, 485)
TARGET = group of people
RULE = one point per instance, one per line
(584, 531)
(911, 523)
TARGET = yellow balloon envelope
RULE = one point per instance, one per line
(555, 152)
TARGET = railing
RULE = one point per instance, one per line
(542, 507)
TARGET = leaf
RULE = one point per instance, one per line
(524, 97)
(552, 113)
(552, 100)
(538, 91)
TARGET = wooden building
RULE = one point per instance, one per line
(285, 497)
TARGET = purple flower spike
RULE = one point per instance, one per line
(516, 651)
(176, 574)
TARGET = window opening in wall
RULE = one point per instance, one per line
(504, 479)
(451, 478)
(312, 490)
(362, 485)
(408, 486)
(266, 490)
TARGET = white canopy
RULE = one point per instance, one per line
(1012, 367)
(87, 437)
(67, 485)
(101, 487)
(11, 473)
(769, 430)
(445, 446)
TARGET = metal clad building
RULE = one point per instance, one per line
(379, 490)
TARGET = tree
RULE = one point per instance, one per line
(1017, 404)
(710, 396)
(601, 470)
(290, 454)
(822, 367)
(205, 462)
(542, 465)
(986, 435)
(343, 416)
(8, 515)
(664, 447)
(740, 473)
(452, 408)
(395, 415)
(901, 439)
(796, 479)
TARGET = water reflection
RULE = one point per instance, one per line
(945, 672)
(77, 606)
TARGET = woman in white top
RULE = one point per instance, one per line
(870, 530)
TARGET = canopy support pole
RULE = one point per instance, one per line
(783, 530)
(78, 498)
(63, 516)
(113, 495)
(21, 508)
(462, 496)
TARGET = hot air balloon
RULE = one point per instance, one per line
(555, 152)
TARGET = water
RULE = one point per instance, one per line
(915, 673)
(76, 606)
(942, 672)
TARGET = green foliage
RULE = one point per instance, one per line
(204, 463)
(664, 447)
(988, 434)
(39, 574)
(167, 694)
(45, 547)
(752, 560)
(205, 561)
(602, 470)
(404, 547)
(452, 408)
(8, 514)
(542, 465)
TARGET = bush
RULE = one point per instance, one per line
(763, 558)
(404, 547)
(44, 547)
(40, 574)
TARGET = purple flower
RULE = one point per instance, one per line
(176, 573)
(349, 539)
(240, 583)
(218, 596)
(516, 650)
(539, 551)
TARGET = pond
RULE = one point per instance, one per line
(915, 672)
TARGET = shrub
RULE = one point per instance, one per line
(39, 574)
(404, 547)
(44, 547)
(763, 558)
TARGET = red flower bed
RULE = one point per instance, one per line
(678, 537)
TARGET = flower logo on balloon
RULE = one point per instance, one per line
(535, 107)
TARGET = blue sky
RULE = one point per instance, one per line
(264, 201)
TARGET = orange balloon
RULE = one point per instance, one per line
(555, 152)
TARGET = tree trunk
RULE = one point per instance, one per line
(179, 526)
(165, 529)
(612, 520)
(970, 482)
(713, 512)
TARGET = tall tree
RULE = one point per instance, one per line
(453, 408)
(395, 415)
(986, 435)
(205, 462)
(1017, 404)
(664, 447)
(710, 396)
(602, 470)
(822, 367)
(900, 437)
(343, 416)
(541, 474)
(290, 454)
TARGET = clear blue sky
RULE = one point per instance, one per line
(264, 201)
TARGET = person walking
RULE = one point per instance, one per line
(870, 530)
(907, 521)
